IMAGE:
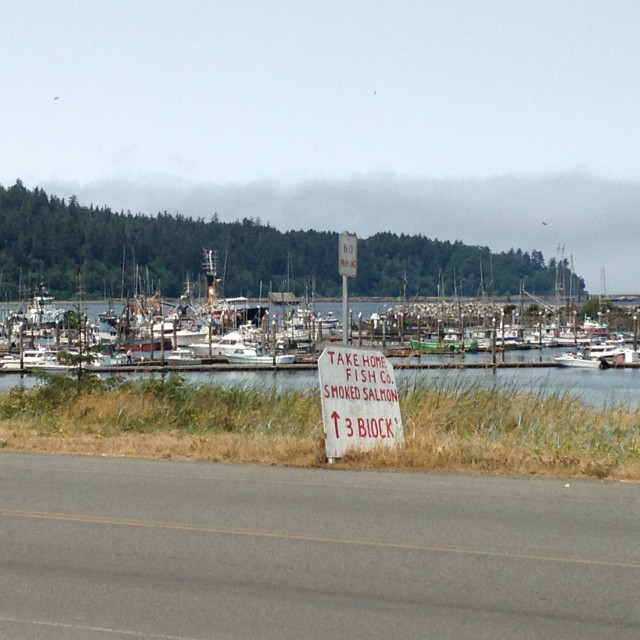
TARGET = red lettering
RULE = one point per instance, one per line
(389, 424)
(374, 394)
(349, 428)
(375, 362)
(352, 359)
(344, 392)
(373, 428)
(369, 376)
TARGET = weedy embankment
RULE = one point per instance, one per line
(461, 428)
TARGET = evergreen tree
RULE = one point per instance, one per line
(48, 240)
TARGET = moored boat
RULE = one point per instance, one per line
(31, 358)
(251, 356)
(182, 356)
(579, 360)
(449, 344)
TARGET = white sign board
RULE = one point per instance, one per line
(360, 406)
(348, 255)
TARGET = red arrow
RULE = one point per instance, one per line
(335, 416)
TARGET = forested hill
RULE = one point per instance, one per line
(72, 248)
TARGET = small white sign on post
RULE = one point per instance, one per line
(360, 407)
(348, 255)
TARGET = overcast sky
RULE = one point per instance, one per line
(502, 123)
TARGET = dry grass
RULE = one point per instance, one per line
(470, 429)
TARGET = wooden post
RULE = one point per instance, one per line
(273, 341)
(162, 341)
(493, 340)
(21, 347)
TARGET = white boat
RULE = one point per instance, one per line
(186, 336)
(42, 310)
(221, 346)
(31, 358)
(541, 337)
(182, 356)
(579, 360)
(600, 354)
(611, 349)
(180, 335)
(252, 356)
(46, 359)
(108, 360)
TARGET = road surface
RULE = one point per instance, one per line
(103, 548)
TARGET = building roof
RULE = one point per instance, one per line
(283, 297)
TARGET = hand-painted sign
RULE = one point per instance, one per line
(348, 255)
(359, 397)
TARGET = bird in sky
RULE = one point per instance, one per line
(56, 98)
(544, 223)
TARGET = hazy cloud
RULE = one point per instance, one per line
(576, 216)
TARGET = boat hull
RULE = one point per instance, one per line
(260, 359)
(570, 360)
(454, 346)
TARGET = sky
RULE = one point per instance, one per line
(499, 123)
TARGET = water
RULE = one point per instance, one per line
(600, 388)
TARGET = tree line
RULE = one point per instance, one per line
(93, 251)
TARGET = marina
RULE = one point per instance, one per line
(528, 343)
(534, 370)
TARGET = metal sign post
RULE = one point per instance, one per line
(345, 310)
(348, 268)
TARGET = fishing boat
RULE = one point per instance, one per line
(255, 356)
(451, 342)
(41, 310)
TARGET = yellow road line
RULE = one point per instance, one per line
(303, 537)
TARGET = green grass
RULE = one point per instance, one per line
(448, 426)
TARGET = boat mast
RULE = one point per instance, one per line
(211, 271)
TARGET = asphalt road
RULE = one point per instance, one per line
(102, 548)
